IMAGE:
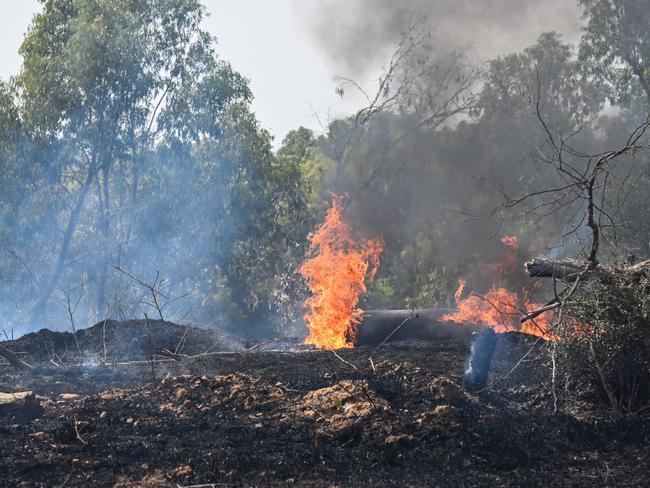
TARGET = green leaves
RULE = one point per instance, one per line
(127, 139)
(615, 49)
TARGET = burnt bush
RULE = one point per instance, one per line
(604, 338)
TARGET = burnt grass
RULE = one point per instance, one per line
(113, 417)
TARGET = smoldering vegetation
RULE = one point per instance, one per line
(140, 193)
(135, 178)
(450, 154)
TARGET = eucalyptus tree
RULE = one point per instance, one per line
(615, 48)
(138, 147)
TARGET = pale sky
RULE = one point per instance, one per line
(267, 41)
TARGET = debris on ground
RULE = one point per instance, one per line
(315, 419)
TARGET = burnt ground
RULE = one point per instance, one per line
(303, 418)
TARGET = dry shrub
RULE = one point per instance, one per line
(605, 339)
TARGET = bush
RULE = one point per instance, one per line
(605, 339)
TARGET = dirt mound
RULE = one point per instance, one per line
(344, 409)
(111, 340)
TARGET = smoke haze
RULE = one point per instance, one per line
(358, 35)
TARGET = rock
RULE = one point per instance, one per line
(38, 436)
(69, 396)
(183, 471)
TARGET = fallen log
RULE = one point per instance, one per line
(564, 269)
(13, 359)
(575, 272)
(570, 269)
(20, 405)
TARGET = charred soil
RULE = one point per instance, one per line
(302, 418)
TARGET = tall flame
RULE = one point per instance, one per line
(336, 273)
(500, 308)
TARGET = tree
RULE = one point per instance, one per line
(94, 78)
(135, 145)
(615, 48)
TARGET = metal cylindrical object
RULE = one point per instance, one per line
(483, 344)
(400, 325)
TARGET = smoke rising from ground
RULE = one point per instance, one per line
(358, 35)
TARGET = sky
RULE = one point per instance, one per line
(269, 42)
(284, 47)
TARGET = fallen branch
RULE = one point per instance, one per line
(570, 269)
(536, 313)
(344, 361)
(13, 359)
(76, 431)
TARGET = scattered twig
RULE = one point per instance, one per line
(411, 315)
(372, 365)
(72, 309)
(181, 342)
(344, 361)
(601, 373)
(76, 431)
(151, 349)
(209, 485)
(521, 360)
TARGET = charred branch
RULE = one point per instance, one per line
(569, 270)
(13, 359)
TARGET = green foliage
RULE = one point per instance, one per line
(135, 144)
(546, 73)
(615, 49)
(418, 278)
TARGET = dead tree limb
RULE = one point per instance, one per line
(536, 313)
(13, 359)
(569, 269)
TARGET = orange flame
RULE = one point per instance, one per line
(500, 308)
(336, 274)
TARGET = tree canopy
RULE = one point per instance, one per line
(129, 153)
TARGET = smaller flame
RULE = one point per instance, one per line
(499, 308)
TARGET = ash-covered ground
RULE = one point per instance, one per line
(300, 418)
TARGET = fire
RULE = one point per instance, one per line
(336, 273)
(500, 308)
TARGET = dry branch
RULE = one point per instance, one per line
(13, 359)
(570, 269)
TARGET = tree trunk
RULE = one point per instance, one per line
(39, 309)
